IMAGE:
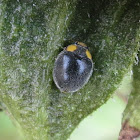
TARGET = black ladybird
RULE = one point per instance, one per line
(73, 67)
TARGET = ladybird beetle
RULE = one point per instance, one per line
(73, 67)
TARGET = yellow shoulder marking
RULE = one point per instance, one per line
(71, 48)
(88, 54)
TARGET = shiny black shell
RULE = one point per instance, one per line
(72, 70)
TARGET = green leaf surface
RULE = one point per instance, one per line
(132, 111)
(131, 116)
(32, 34)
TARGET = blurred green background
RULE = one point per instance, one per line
(103, 124)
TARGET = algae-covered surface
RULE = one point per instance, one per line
(32, 34)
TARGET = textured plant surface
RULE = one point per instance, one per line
(131, 117)
(32, 34)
